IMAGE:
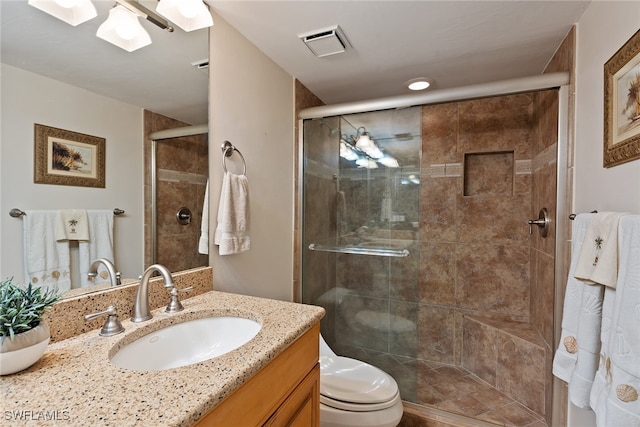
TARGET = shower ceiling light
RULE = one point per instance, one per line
(420, 83)
(72, 12)
(187, 14)
(123, 29)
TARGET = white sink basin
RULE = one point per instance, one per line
(186, 343)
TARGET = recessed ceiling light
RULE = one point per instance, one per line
(420, 83)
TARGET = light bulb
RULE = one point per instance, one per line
(188, 9)
(126, 27)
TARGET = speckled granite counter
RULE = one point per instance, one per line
(75, 384)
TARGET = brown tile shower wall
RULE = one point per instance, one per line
(182, 170)
(474, 253)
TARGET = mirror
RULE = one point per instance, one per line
(62, 76)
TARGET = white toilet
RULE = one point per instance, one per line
(356, 394)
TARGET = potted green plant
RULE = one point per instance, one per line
(24, 336)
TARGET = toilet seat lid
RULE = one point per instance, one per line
(350, 380)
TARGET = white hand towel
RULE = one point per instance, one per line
(72, 224)
(99, 245)
(46, 260)
(615, 395)
(566, 355)
(203, 243)
(598, 262)
(232, 231)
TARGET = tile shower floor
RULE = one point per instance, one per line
(452, 389)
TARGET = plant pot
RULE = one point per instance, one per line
(24, 350)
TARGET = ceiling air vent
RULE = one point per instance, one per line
(325, 42)
(202, 65)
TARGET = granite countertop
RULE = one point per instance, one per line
(75, 384)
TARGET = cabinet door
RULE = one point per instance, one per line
(260, 398)
(302, 407)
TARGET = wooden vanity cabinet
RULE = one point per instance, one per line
(286, 392)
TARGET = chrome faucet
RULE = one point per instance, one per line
(111, 269)
(141, 310)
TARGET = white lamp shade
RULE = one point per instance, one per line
(389, 162)
(123, 29)
(72, 12)
(187, 14)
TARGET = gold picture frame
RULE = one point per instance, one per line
(622, 104)
(63, 157)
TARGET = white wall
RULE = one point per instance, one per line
(602, 30)
(29, 98)
(251, 105)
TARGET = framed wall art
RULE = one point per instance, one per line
(63, 157)
(622, 104)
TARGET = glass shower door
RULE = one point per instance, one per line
(360, 235)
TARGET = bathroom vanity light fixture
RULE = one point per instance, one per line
(419, 83)
(123, 29)
(365, 143)
(367, 163)
(187, 14)
(346, 150)
(362, 149)
(388, 161)
(73, 12)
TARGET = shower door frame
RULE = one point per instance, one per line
(564, 174)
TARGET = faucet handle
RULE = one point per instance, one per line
(174, 304)
(112, 326)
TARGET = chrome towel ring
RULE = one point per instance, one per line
(227, 151)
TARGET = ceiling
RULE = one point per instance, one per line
(455, 43)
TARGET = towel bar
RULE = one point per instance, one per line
(573, 216)
(17, 213)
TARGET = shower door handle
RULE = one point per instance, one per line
(542, 222)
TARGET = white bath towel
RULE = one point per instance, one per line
(99, 245)
(232, 231)
(46, 260)
(203, 242)
(598, 390)
(566, 355)
(615, 395)
(588, 341)
(72, 224)
(598, 262)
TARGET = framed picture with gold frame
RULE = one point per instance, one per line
(63, 157)
(622, 104)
